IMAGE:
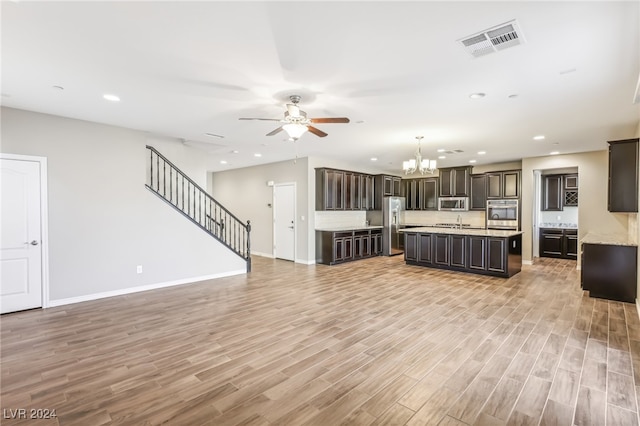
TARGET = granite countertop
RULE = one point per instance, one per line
(562, 225)
(349, 228)
(608, 239)
(441, 225)
(475, 232)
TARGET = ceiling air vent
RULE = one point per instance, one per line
(497, 38)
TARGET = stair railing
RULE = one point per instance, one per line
(174, 187)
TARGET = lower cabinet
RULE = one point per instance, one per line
(610, 271)
(344, 246)
(559, 243)
(488, 255)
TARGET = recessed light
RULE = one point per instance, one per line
(554, 153)
(442, 157)
(478, 95)
(235, 151)
(482, 152)
(441, 150)
(223, 162)
(374, 159)
(257, 154)
(538, 138)
(472, 161)
(213, 135)
(112, 98)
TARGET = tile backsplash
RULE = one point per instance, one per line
(339, 219)
(416, 217)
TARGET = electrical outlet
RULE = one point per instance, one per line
(139, 269)
(559, 217)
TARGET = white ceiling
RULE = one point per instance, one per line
(396, 69)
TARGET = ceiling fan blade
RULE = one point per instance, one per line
(273, 132)
(316, 131)
(262, 119)
(330, 120)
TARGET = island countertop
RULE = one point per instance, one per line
(453, 231)
(608, 239)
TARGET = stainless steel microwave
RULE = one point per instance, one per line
(456, 204)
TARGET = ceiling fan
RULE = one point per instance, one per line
(296, 122)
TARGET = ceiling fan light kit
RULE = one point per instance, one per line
(424, 166)
(296, 122)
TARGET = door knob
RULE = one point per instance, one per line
(34, 243)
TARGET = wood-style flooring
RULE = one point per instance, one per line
(373, 342)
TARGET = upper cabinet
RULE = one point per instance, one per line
(420, 194)
(559, 191)
(478, 192)
(623, 176)
(552, 192)
(502, 185)
(344, 190)
(455, 182)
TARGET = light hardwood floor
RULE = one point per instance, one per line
(364, 343)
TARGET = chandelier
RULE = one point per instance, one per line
(415, 164)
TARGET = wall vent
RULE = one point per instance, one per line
(493, 39)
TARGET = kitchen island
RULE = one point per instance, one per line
(477, 251)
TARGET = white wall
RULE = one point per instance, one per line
(102, 220)
(593, 171)
(245, 191)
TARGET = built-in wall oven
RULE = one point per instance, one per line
(503, 214)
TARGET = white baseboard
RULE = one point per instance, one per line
(257, 253)
(122, 292)
(638, 308)
(306, 262)
(527, 262)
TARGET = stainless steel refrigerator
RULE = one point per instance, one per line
(391, 218)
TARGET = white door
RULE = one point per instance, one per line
(284, 220)
(20, 239)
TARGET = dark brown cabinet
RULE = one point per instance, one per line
(478, 192)
(344, 246)
(552, 192)
(559, 191)
(458, 256)
(501, 185)
(559, 243)
(623, 176)
(478, 253)
(455, 182)
(420, 194)
(386, 186)
(610, 271)
(344, 190)
(488, 255)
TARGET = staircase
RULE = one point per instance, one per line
(173, 186)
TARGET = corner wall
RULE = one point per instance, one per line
(102, 220)
(593, 171)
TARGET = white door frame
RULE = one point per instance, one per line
(44, 218)
(295, 219)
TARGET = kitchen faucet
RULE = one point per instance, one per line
(459, 221)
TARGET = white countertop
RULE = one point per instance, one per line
(561, 225)
(475, 232)
(349, 228)
(608, 239)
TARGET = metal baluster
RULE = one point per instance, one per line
(151, 162)
(164, 179)
(171, 184)
(158, 173)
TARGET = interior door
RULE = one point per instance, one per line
(284, 219)
(20, 240)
